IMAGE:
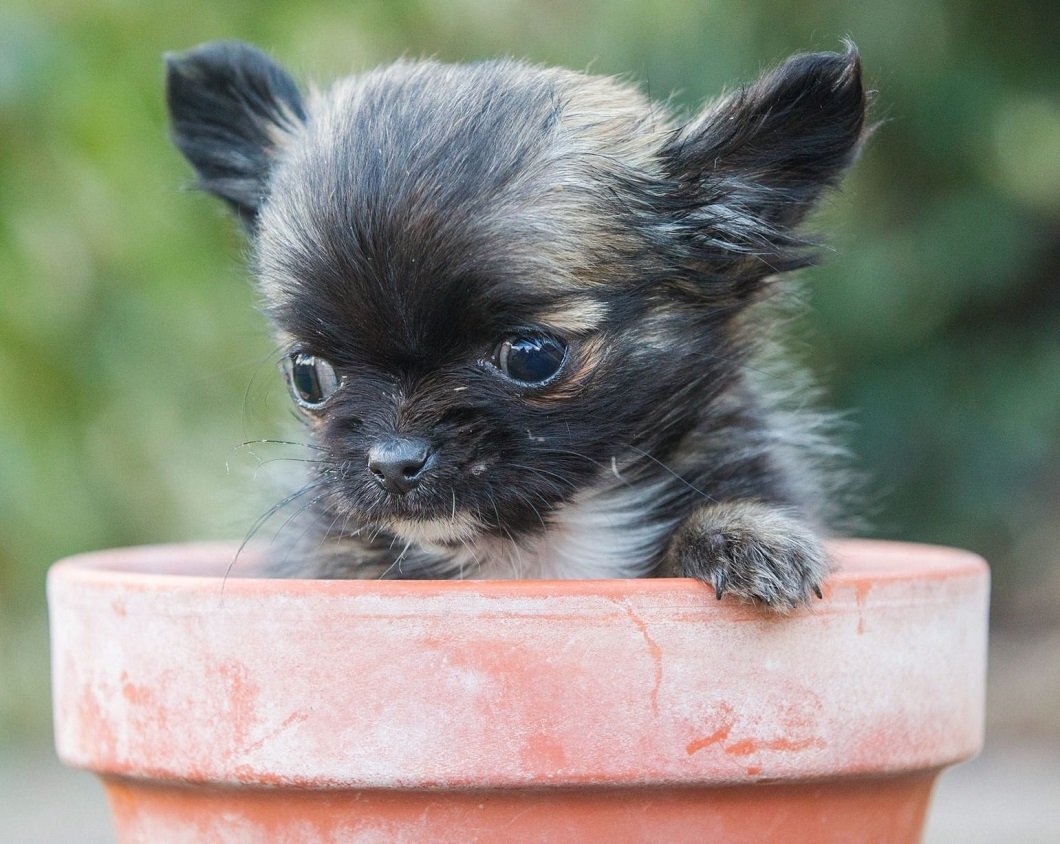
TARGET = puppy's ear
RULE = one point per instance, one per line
(749, 167)
(231, 108)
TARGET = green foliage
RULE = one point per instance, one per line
(128, 336)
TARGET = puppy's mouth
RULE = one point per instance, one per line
(406, 492)
(444, 505)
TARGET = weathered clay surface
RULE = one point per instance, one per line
(399, 710)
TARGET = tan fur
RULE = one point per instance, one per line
(589, 356)
(576, 315)
(606, 127)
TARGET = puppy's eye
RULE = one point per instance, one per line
(530, 359)
(312, 380)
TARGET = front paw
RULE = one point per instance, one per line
(754, 551)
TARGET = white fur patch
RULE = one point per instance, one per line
(599, 534)
(461, 527)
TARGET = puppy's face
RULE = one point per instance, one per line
(495, 282)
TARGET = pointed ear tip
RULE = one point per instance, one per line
(209, 52)
(180, 63)
(850, 50)
(843, 70)
(852, 59)
(172, 60)
(846, 65)
(178, 68)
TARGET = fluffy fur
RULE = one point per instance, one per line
(406, 221)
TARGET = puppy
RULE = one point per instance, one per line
(521, 309)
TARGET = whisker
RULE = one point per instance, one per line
(346, 524)
(471, 550)
(397, 561)
(293, 545)
(543, 472)
(691, 486)
(296, 514)
(250, 384)
(259, 523)
(326, 533)
(606, 467)
(248, 443)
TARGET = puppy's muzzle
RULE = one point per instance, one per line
(398, 464)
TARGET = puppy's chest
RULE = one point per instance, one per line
(614, 533)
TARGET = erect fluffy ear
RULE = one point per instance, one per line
(751, 165)
(231, 109)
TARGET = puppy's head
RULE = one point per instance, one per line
(495, 281)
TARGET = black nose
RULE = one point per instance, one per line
(397, 463)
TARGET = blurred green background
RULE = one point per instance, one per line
(132, 362)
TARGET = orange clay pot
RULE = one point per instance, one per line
(258, 710)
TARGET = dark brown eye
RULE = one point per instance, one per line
(312, 380)
(531, 358)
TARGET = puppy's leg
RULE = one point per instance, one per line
(751, 549)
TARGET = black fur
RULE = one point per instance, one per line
(412, 218)
(767, 152)
(225, 98)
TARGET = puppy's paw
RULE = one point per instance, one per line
(752, 550)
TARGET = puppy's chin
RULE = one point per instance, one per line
(450, 530)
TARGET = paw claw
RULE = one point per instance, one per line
(754, 553)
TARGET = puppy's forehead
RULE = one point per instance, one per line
(487, 185)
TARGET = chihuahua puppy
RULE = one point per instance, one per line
(521, 309)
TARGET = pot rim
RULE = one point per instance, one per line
(504, 683)
(194, 565)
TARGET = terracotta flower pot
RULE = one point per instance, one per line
(640, 710)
